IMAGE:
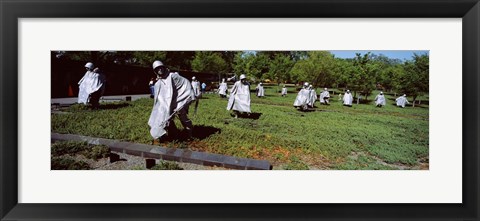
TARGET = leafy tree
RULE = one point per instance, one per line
(280, 67)
(270, 54)
(251, 64)
(259, 66)
(365, 74)
(180, 60)
(381, 58)
(343, 73)
(97, 57)
(146, 58)
(317, 67)
(229, 57)
(388, 71)
(209, 61)
(414, 80)
(389, 76)
(298, 55)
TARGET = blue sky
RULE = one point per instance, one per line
(397, 54)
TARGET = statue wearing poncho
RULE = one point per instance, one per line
(222, 90)
(347, 99)
(173, 95)
(84, 87)
(402, 101)
(92, 83)
(380, 100)
(240, 97)
(196, 87)
(284, 91)
(302, 98)
(324, 96)
(260, 90)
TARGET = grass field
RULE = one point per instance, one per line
(331, 137)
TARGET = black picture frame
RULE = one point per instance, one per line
(11, 11)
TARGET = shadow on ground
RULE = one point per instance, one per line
(252, 115)
(273, 95)
(307, 110)
(201, 132)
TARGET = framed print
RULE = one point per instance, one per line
(399, 157)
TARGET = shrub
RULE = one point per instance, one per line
(166, 165)
(97, 152)
(65, 163)
(68, 147)
(75, 147)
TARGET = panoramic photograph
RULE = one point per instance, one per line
(240, 110)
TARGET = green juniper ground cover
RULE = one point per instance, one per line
(63, 155)
(76, 155)
(331, 137)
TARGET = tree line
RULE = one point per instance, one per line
(361, 74)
